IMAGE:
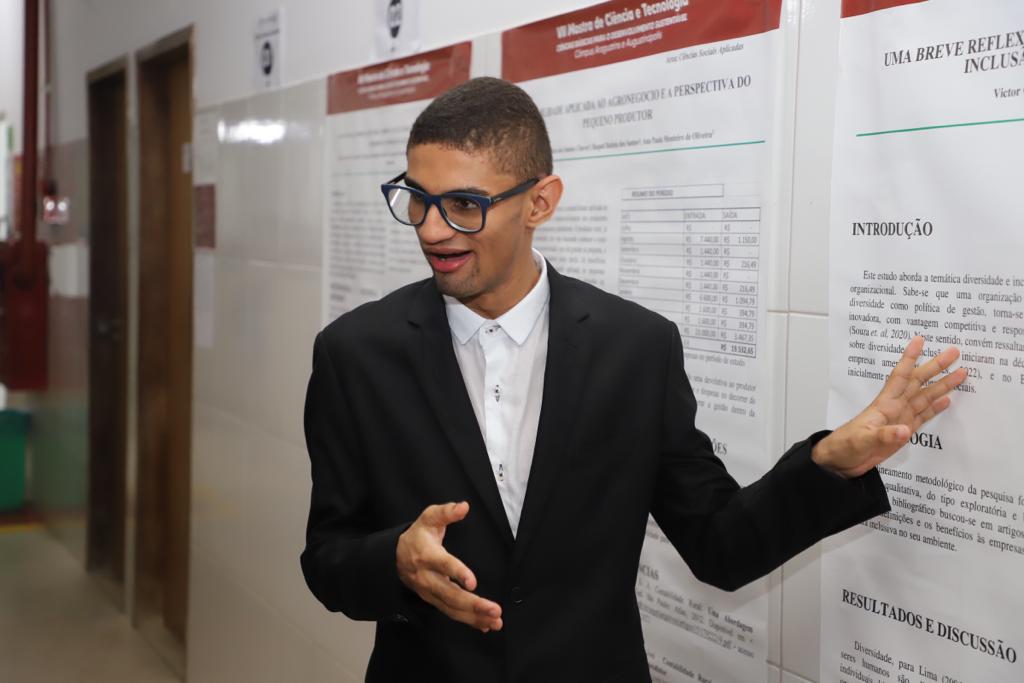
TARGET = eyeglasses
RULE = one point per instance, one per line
(463, 211)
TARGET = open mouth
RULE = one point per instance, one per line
(448, 262)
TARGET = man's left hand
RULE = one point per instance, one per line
(905, 403)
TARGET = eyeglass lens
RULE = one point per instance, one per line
(410, 208)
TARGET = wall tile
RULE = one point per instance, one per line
(284, 316)
(223, 374)
(789, 677)
(801, 613)
(774, 404)
(233, 635)
(232, 191)
(806, 402)
(807, 376)
(264, 158)
(276, 518)
(300, 206)
(327, 669)
(812, 162)
(775, 616)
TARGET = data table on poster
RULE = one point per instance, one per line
(693, 255)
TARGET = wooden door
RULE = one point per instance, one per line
(165, 348)
(108, 352)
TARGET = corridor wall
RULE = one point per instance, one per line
(251, 617)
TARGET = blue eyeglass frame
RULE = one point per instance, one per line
(483, 201)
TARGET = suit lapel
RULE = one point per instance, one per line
(441, 378)
(564, 375)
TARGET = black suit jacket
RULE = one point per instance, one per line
(390, 430)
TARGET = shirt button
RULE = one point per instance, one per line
(516, 595)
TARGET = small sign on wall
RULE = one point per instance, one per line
(398, 28)
(56, 210)
(268, 50)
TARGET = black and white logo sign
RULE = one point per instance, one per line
(395, 17)
(396, 28)
(267, 37)
(267, 58)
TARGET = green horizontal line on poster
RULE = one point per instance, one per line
(661, 151)
(944, 125)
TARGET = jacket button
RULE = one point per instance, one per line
(516, 596)
(399, 618)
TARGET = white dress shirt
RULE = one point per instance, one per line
(502, 363)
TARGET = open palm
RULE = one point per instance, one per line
(907, 401)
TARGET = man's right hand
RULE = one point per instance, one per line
(438, 577)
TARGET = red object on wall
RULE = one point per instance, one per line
(853, 8)
(24, 266)
(23, 317)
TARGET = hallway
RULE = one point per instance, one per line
(56, 626)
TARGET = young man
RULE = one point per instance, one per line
(487, 444)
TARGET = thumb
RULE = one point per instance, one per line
(443, 515)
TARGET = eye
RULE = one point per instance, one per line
(460, 205)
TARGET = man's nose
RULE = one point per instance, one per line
(434, 229)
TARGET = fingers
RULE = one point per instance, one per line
(905, 367)
(438, 577)
(937, 364)
(460, 600)
(461, 605)
(938, 389)
(931, 411)
(906, 377)
(451, 567)
(443, 515)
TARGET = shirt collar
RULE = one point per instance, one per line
(518, 322)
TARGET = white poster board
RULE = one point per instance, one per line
(663, 127)
(926, 238)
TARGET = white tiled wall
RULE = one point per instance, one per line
(807, 363)
(250, 469)
(807, 392)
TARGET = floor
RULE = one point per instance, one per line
(55, 624)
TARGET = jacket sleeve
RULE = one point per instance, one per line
(730, 535)
(348, 563)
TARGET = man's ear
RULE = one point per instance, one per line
(546, 195)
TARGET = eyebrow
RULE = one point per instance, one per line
(468, 190)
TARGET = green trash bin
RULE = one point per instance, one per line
(13, 435)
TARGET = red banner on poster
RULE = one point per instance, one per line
(853, 8)
(420, 77)
(626, 29)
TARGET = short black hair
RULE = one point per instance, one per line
(488, 115)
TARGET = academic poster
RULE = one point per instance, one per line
(927, 237)
(662, 118)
